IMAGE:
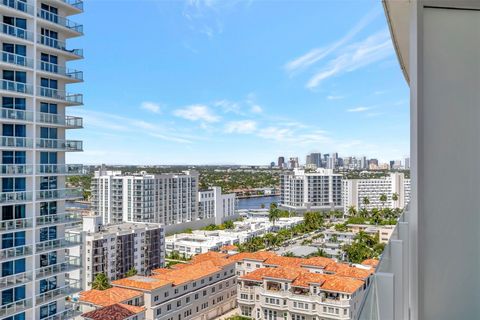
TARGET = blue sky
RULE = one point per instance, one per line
(237, 82)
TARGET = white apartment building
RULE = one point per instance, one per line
(355, 190)
(34, 123)
(212, 203)
(161, 198)
(318, 190)
(203, 289)
(115, 249)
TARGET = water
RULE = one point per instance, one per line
(256, 203)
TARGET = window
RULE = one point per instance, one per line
(13, 267)
(48, 183)
(14, 103)
(14, 239)
(13, 212)
(48, 284)
(48, 310)
(48, 233)
(48, 208)
(13, 184)
(16, 76)
(14, 294)
(14, 130)
(48, 259)
(48, 107)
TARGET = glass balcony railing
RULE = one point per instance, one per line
(16, 252)
(70, 98)
(68, 193)
(17, 86)
(16, 224)
(55, 68)
(18, 5)
(70, 217)
(71, 263)
(71, 287)
(78, 4)
(59, 169)
(68, 241)
(69, 121)
(16, 142)
(71, 311)
(61, 21)
(15, 307)
(13, 197)
(17, 59)
(15, 114)
(16, 279)
(15, 169)
(17, 32)
(58, 44)
(72, 122)
(67, 145)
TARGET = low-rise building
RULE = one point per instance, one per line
(384, 232)
(212, 203)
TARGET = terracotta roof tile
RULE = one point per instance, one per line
(108, 297)
(231, 247)
(257, 256)
(141, 283)
(370, 262)
(114, 312)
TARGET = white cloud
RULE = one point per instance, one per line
(372, 49)
(151, 106)
(332, 97)
(359, 109)
(318, 54)
(243, 126)
(228, 106)
(256, 109)
(197, 112)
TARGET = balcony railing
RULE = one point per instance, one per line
(70, 217)
(59, 169)
(17, 32)
(67, 145)
(17, 59)
(72, 286)
(17, 86)
(15, 114)
(73, 122)
(68, 193)
(16, 224)
(78, 4)
(56, 69)
(72, 263)
(71, 311)
(15, 279)
(15, 169)
(68, 241)
(73, 98)
(58, 44)
(68, 121)
(15, 307)
(14, 197)
(18, 5)
(15, 252)
(61, 21)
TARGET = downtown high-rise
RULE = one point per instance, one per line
(34, 250)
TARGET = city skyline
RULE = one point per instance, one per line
(190, 86)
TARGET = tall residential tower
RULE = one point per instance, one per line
(33, 259)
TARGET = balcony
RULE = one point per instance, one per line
(15, 307)
(73, 263)
(15, 279)
(64, 145)
(75, 75)
(69, 122)
(75, 4)
(16, 224)
(71, 311)
(75, 99)
(15, 169)
(61, 21)
(15, 114)
(68, 241)
(16, 59)
(16, 32)
(72, 286)
(15, 197)
(18, 87)
(60, 194)
(16, 252)
(59, 169)
(17, 5)
(59, 45)
(70, 217)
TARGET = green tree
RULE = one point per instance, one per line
(131, 272)
(352, 211)
(101, 282)
(395, 196)
(288, 254)
(365, 202)
(228, 224)
(383, 198)
(274, 213)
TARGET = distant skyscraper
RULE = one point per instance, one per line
(363, 163)
(272, 164)
(308, 160)
(315, 158)
(281, 162)
(373, 161)
(407, 163)
(293, 163)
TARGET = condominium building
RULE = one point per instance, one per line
(34, 123)
(318, 190)
(212, 203)
(354, 191)
(161, 198)
(203, 289)
(115, 249)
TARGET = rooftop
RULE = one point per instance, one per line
(114, 312)
(108, 297)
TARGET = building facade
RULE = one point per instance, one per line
(115, 249)
(319, 190)
(34, 122)
(164, 198)
(354, 191)
(212, 203)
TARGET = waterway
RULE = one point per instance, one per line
(256, 203)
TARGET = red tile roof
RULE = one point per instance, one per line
(114, 312)
(370, 262)
(108, 297)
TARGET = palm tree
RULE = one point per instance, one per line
(395, 196)
(274, 213)
(352, 211)
(383, 198)
(101, 282)
(131, 272)
(366, 202)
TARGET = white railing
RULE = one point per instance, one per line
(15, 196)
(72, 286)
(15, 224)
(15, 307)
(59, 218)
(17, 59)
(15, 279)
(15, 86)
(15, 114)
(64, 22)
(71, 264)
(15, 252)
(68, 241)
(67, 193)
(13, 31)
(15, 169)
